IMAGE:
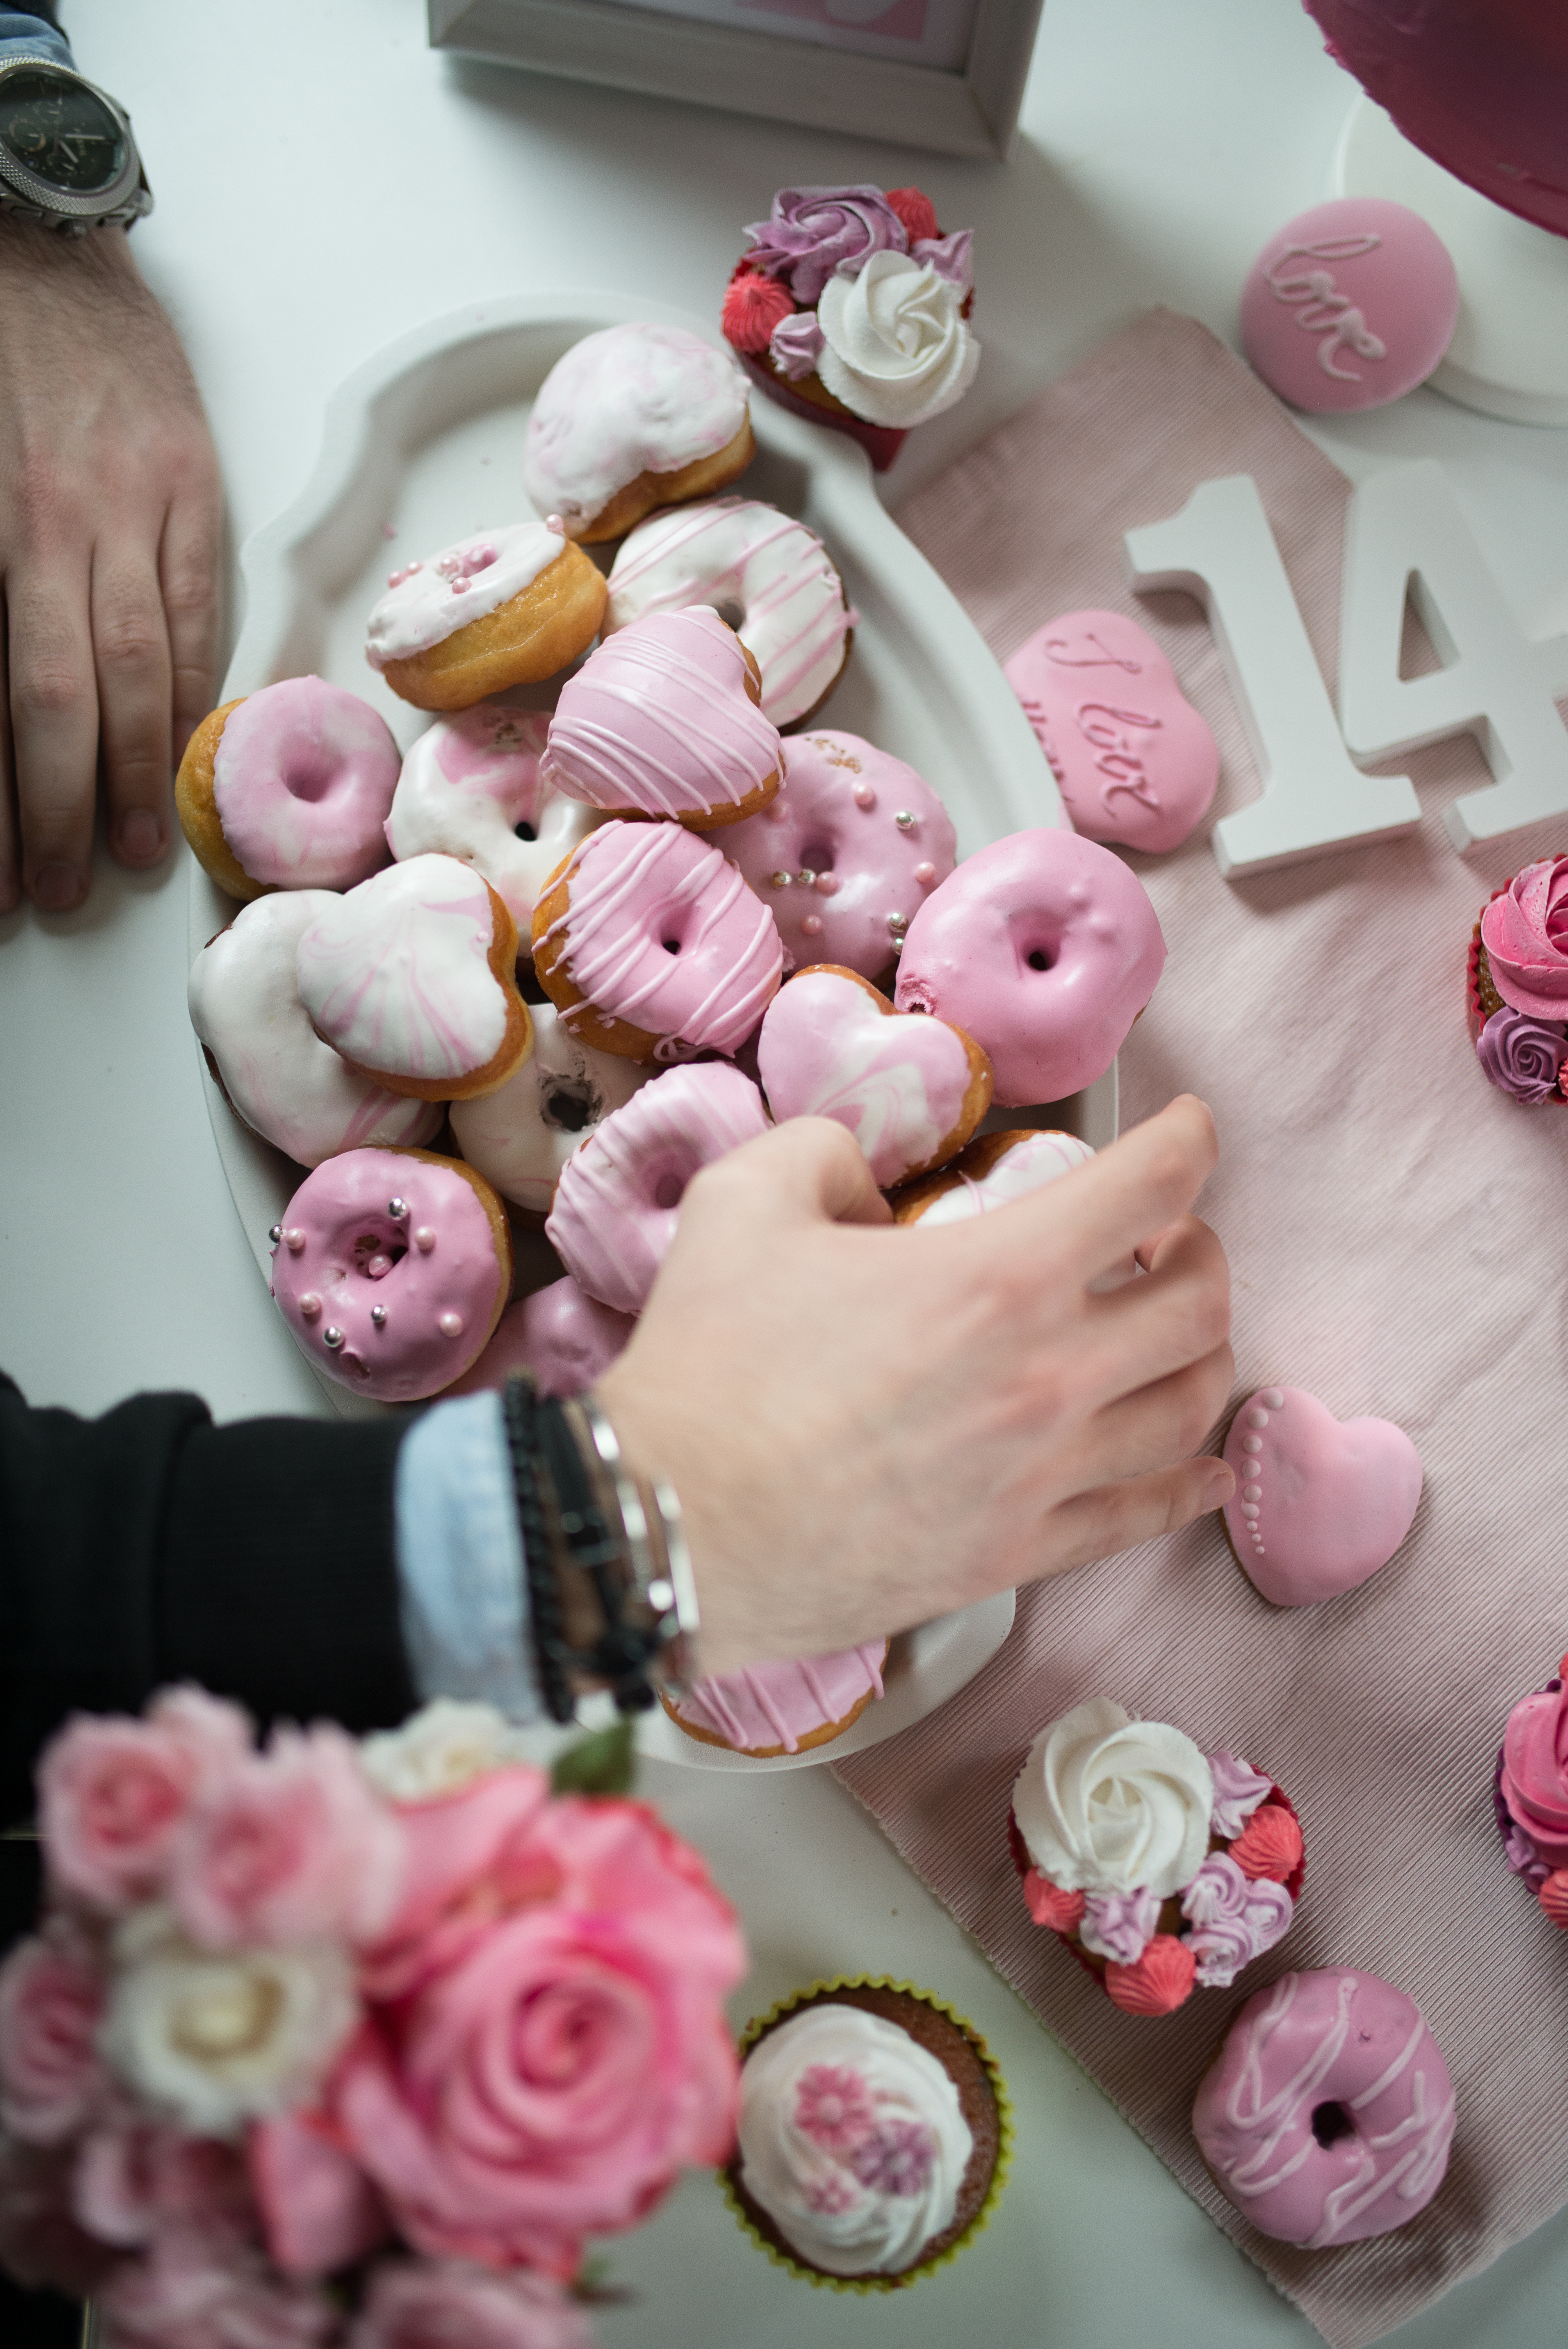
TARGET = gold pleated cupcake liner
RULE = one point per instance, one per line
(787, 2006)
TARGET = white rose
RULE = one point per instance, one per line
(443, 1746)
(1108, 1804)
(217, 2038)
(896, 350)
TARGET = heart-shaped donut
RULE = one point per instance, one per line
(910, 1088)
(1319, 1504)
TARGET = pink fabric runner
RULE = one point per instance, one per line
(1397, 1234)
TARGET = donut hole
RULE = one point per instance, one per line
(524, 832)
(1038, 958)
(312, 771)
(671, 946)
(669, 1190)
(817, 856)
(375, 1254)
(731, 611)
(1331, 2122)
(569, 1108)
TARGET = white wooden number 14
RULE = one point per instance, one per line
(1405, 538)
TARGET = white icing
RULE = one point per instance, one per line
(468, 784)
(835, 2107)
(737, 552)
(397, 974)
(519, 1136)
(1108, 1804)
(896, 350)
(287, 1085)
(627, 401)
(446, 591)
(1027, 1166)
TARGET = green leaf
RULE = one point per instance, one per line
(605, 1763)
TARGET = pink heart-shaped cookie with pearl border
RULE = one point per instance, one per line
(1320, 1503)
(909, 1087)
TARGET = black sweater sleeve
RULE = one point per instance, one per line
(149, 1547)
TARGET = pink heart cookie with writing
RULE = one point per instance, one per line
(1133, 761)
(910, 1088)
(1319, 1504)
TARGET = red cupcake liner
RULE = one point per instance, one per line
(882, 442)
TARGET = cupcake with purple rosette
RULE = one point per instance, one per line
(1516, 990)
(852, 309)
(1531, 1792)
(1164, 1869)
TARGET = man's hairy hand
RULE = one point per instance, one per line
(869, 1425)
(110, 515)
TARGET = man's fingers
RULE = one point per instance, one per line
(1162, 1421)
(1096, 1217)
(1115, 1518)
(188, 565)
(53, 702)
(1176, 1313)
(10, 834)
(130, 657)
(808, 1170)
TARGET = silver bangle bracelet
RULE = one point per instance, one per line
(663, 1588)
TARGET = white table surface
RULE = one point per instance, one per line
(324, 182)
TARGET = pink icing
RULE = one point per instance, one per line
(303, 778)
(1233, 1918)
(1534, 1782)
(1332, 2055)
(1044, 948)
(566, 1338)
(1238, 1791)
(827, 1048)
(662, 932)
(1351, 306)
(1525, 934)
(658, 721)
(1318, 1506)
(1133, 760)
(630, 400)
(779, 1704)
(842, 860)
(345, 1257)
(398, 978)
(470, 788)
(618, 1200)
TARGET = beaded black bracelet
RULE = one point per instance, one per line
(551, 1651)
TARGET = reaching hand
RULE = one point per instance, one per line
(110, 512)
(869, 1425)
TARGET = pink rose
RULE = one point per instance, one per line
(183, 2298)
(296, 1846)
(558, 2049)
(41, 2240)
(413, 2305)
(113, 1793)
(1525, 934)
(136, 2180)
(319, 2209)
(51, 1997)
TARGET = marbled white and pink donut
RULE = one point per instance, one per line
(470, 789)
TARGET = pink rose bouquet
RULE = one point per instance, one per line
(329, 2045)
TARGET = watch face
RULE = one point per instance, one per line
(64, 134)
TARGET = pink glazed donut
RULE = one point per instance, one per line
(566, 1338)
(1329, 2113)
(1044, 948)
(391, 1268)
(618, 1200)
(289, 789)
(847, 855)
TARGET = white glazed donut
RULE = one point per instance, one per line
(470, 788)
(520, 1136)
(631, 418)
(768, 576)
(287, 1085)
(995, 1169)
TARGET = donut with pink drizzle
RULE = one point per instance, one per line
(470, 788)
(391, 1268)
(521, 1136)
(1044, 948)
(770, 1709)
(276, 1074)
(565, 1338)
(910, 1090)
(651, 946)
(1328, 2113)
(289, 789)
(746, 558)
(663, 720)
(847, 853)
(618, 1200)
(635, 417)
(508, 606)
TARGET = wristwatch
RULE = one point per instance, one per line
(66, 154)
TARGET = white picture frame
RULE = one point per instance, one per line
(970, 110)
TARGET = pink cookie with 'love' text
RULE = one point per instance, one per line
(1319, 1504)
(1133, 760)
(1351, 306)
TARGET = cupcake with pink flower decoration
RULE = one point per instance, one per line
(851, 308)
(1516, 984)
(1163, 1868)
(1531, 1792)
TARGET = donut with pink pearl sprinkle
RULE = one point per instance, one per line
(847, 853)
(506, 607)
(391, 1268)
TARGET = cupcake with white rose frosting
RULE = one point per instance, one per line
(1164, 1869)
(852, 308)
(872, 2134)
